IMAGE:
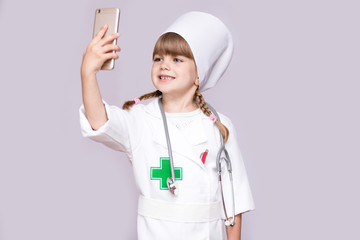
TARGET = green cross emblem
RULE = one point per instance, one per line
(163, 172)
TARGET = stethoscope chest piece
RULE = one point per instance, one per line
(172, 186)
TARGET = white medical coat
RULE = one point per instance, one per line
(140, 133)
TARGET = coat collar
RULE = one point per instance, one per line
(181, 143)
(153, 109)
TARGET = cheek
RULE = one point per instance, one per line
(153, 73)
(193, 73)
(193, 70)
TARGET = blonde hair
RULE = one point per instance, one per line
(173, 44)
(199, 99)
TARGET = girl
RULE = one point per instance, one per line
(188, 58)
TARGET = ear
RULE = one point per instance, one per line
(197, 82)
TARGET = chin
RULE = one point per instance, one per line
(164, 88)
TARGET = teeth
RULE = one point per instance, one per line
(166, 78)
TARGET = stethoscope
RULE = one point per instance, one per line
(222, 155)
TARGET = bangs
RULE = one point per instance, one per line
(173, 44)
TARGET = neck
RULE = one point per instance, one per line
(173, 104)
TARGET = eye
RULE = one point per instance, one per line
(157, 59)
(177, 60)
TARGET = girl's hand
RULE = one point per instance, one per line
(98, 51)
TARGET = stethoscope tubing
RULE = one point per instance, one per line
(226, 158)
(171, 181)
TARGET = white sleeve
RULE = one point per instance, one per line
(114, 133)
(242, 193)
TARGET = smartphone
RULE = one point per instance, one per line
(109, 16)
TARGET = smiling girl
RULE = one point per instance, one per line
(190, 57)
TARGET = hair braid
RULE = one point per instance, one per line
(199, 99)
(127, 105)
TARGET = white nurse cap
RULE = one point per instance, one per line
(211, 44)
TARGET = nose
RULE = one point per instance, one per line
(164, 65)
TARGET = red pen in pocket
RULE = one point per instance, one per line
(204, 155)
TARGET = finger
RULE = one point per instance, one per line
(110, 47)
(108, 39)
(111, 56)
(101, 33)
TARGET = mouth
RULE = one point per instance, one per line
(166, 78)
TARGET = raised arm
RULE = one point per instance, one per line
(98, 51)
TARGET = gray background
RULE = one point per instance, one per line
(292, 91)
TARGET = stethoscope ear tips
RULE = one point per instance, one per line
(229, 223)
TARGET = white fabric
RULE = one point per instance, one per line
(179, 212)
(140, 134)
(211, 43)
